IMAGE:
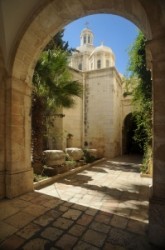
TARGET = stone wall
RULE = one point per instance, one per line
(67, 131)
(3, 75)
(102, 103)
(117, 115)
(55, 131)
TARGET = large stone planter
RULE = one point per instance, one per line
(92, 152)
(75, 154)
(54, 158)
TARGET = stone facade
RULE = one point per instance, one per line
(73, 119)
(67, 129)
(26, 27)
(102, 114)
(96, 121)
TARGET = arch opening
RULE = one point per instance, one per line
(129, 143)
(46, 22)
(55, 21)
(22, 71)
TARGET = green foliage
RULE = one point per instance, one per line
(71, 164)
(147, 161)
(52, 81)
(39, 177)
(137, 67)
(142, 93)
(129, 84)
(53, 88)
(57, 42)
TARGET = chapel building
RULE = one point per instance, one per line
(97, 119)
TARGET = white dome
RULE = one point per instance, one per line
(87, 57)
(101, 49)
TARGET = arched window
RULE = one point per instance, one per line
(89, 40)
(85, 39)
(80, 66)
(107, 63)
(99, 64)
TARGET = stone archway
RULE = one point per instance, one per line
(48, 21)
(149, 17)
(3, 76)
(56, 15)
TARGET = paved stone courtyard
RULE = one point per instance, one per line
(103, 207)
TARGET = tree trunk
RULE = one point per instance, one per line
(38, 130)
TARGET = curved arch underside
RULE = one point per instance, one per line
(55, 15)
(40, 24)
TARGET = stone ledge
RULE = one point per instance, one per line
(145, 175)
(50, 180)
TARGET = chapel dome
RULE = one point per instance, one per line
(102, 49)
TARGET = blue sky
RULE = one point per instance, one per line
(114, 31)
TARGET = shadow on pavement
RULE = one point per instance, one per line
(66, 225)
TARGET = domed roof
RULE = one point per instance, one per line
(101, 49)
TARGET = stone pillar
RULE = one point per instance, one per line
(19, 174)
(2, 128)
(157, 200)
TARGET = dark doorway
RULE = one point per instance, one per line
(130, 145)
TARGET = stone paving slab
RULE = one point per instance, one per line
(103, 207)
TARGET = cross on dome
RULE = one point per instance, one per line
(87, 25)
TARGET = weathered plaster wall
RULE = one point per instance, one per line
(73, 120)
(117, 116)
(102, 103)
